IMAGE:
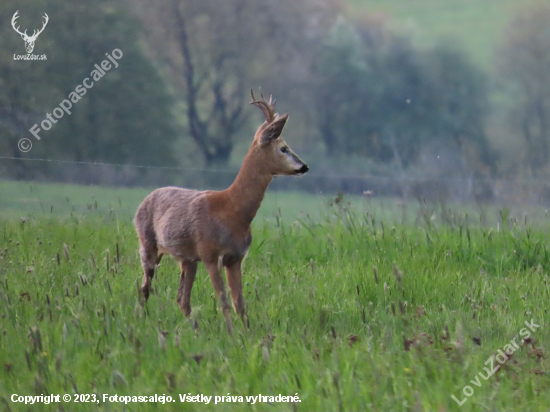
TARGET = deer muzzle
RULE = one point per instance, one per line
(302, 169)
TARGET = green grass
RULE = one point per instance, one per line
(448, 293)
(28, 199)
(475, 25)
(24, 199)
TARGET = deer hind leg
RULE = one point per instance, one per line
(219, 287)
(187, 277)
(149, 259)
(233, 274)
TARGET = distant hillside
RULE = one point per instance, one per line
(475, 24)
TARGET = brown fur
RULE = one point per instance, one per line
(214, 227)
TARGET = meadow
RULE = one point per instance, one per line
(354, 304)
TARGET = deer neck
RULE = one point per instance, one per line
(247, 191)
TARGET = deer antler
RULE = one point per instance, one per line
(37, 32)
(15, 17)
(268, 108)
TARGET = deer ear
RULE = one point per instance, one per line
(274, 130)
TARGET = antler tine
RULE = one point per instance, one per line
(15, 17)
(46, 20)
(13, 23)
(44, 24)
(271, 102)
(268, 108)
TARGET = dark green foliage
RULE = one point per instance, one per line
(524, 66)
(385, 99)
(126, 117)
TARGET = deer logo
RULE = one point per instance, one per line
(29, 40)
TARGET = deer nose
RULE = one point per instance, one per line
(303, 169)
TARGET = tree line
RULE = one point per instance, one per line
(358, 87)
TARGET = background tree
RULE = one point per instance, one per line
(382, 98)
(214, 52)
(524, 64)
(458, 95)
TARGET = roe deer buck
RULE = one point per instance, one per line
(211, 226)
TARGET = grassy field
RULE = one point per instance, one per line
(349, 308)
(475, 25)
(28, 199)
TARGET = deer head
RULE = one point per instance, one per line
(277, 157)
(29, 40)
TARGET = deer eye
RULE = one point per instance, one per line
(284, 149)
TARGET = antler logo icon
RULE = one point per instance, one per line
(29, 40)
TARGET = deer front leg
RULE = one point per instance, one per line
(188, 271)
(233, 274)
(219, 287)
